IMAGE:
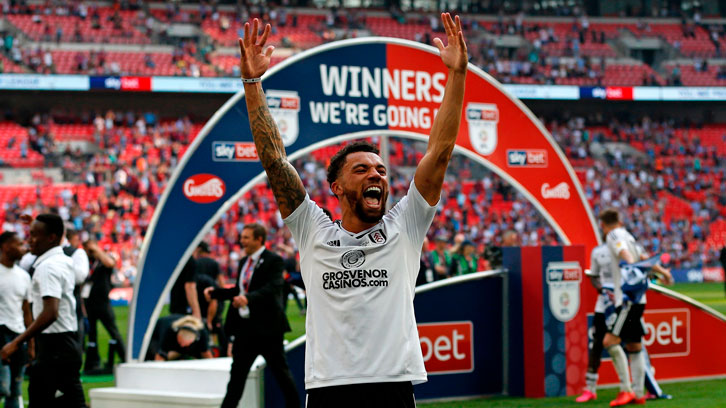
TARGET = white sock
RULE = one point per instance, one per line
(637, 367)
(620, 361)
(591, 382)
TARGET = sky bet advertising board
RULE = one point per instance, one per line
(341, 91)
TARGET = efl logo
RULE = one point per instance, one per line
(668, 332)
(527, 158)
(234, 151)
(447, 347)
(204, 188)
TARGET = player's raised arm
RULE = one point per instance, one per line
(255, 59)
(430, 173)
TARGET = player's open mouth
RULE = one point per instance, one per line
(372, 196)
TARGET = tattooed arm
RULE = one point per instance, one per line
(285, 182)
(429, 176)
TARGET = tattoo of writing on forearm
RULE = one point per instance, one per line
(285, 182)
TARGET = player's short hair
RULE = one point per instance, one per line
(7, 236)
(338, 160)
(53, 224)
(70, 233)
(609, 216)
(258, 231)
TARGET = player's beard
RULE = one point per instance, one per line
(357, 203)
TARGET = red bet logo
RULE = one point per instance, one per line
(447, 347)
(668, 332)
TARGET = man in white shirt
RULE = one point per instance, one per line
(81, 265)
(58, 354)
(14, 315)
(362, 344)
(600, 274)
(627, 327)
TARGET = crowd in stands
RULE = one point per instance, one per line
(669, 181)
(667, 177)
(574, 52)
(115, 188)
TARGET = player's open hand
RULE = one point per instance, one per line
(454, 54)
(255, 58)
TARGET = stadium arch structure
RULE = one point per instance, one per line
(342, 91)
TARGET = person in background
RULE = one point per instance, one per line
(58, 353)
(206, 265)
(440, 258)
(15, 316)
(211, 311)
(465, 260)
(183, 298)
(722, 258)
(291, 274)
(98, 308)
(72, 248)
(425, 272)
(255, 317)
(510, 238)
(209, 274)
(179, 337)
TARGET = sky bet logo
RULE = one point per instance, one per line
(527, 158)
(447, 347)
(668, 332)
(234, 151)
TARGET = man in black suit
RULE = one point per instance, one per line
(256, 318)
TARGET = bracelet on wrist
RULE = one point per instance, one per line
(251, 80)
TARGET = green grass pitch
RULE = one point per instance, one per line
(702, 394)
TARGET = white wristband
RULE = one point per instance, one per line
(251, 80)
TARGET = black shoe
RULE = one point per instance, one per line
(99, 371)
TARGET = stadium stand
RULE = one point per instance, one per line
(668, 177)
(101, 25)
(590, 48)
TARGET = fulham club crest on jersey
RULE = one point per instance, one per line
(377, 236)
(353, 259)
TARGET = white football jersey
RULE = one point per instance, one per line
(617, 240)
(600, 260)
(361, 326)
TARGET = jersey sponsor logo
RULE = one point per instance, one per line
(563, 279)
(335, 243)
(527, 158)
(377, 236)
(560, 191)
(203, 188)
(483, 120)
(668, 332)
(353, 259)
(285, 107)
(234, 151)
(447, 347)
(357, 278)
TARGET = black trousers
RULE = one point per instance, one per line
(103, 312)
(245, 350)
(56, 368)
(595, 353)
(369, 395)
